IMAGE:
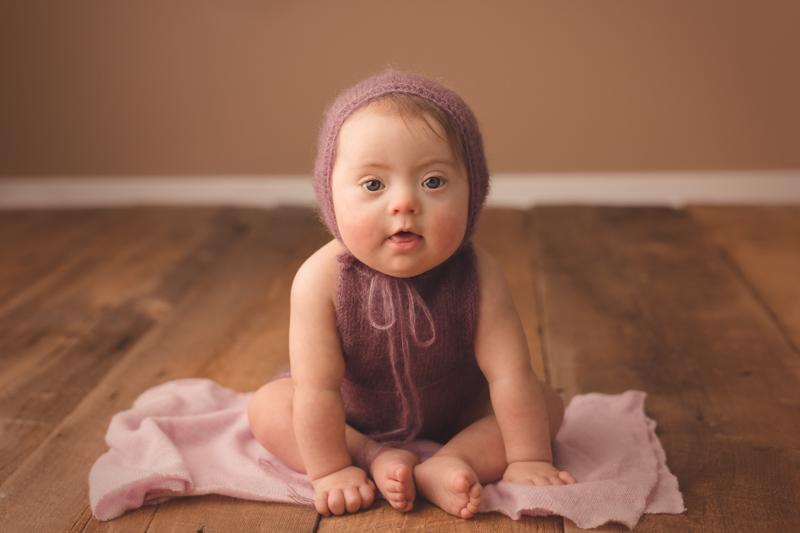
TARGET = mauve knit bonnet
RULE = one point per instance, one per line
(380, 86)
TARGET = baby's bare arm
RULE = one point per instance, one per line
(516, 393)
(317, 371)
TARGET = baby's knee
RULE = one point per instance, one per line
(270, 408)
(270, 413)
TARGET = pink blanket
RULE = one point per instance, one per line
(190, 437)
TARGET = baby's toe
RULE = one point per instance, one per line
(402, 474)
(475, 498)
(400, 502)
(462, 483)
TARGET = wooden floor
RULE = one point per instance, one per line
(699, 308)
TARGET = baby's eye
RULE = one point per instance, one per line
(434, 182)
(372, 185)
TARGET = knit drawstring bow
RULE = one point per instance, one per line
(388, 297)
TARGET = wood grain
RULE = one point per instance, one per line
(763, 242)
(639, 299)
(426, 517)
(255, 349)
(700, 311)
(212, 285)
(58, 342)
(37, 242)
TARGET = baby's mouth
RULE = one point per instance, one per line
(404, 236)
(404, 241)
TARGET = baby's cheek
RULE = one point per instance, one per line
(356, 230)
(451, 227)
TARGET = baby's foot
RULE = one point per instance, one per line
(392, 472)
(449, 483)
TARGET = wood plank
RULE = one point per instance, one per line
(639, 299)
(56, 345)
(219, 513)
(764, 244)
(258, 347)
(35, 243)
(429, 518)
(49, 492)
(45, 223)
(97, 270)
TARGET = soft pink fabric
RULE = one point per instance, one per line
(192, 437)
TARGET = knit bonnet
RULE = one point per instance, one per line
(377, 87)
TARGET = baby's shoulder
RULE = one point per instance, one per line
(489, 271)
(318, 275)
(494, 289)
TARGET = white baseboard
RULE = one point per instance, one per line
(674, 189)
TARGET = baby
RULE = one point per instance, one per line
(400, 327)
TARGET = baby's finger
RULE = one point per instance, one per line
(336, 502)
(321, 503)
(352, 499)
(567, 478)
(540, 480)
(367, 495)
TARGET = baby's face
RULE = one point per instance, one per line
(400, 198)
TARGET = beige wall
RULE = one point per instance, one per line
(238, 87)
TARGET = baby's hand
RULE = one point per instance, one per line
(348, 489)
(537, 473)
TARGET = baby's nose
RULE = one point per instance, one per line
(404, 201)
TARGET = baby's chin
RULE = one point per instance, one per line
(387, 259)
(403, 266)
(399, 271)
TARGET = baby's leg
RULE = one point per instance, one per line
(271, 421)
(392, 471)
(452, 478)
(270, 413)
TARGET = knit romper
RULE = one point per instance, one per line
(417, 333)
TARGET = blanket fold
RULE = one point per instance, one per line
(191, 437)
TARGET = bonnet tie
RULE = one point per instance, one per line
(385, 310)
(386, 286)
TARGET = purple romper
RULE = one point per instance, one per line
(408, 346)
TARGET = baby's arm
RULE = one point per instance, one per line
(516, 393)
(317, 372)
